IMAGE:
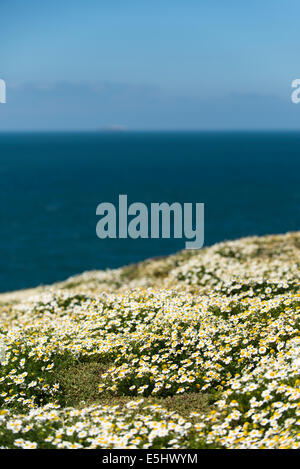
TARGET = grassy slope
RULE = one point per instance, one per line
(81, 382)
(251, 261)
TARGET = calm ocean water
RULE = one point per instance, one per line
(52, 183)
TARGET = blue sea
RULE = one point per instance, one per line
(52, 183)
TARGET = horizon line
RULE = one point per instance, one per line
(126, 131)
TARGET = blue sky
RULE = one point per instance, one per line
(169, 64)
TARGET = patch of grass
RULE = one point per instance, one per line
(80, 382)
(184, 404)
